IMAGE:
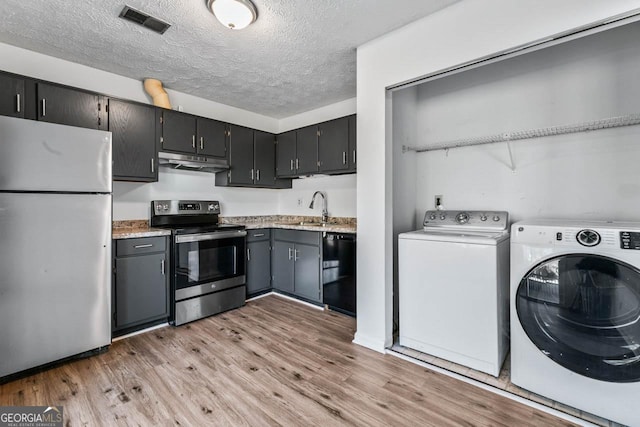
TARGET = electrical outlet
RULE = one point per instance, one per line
(300, 201)
(438, 201)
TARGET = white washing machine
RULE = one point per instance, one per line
(575, 314)
(454, 288)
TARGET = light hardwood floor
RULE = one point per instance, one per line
(272, 362)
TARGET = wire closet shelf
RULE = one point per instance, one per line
(611, 122)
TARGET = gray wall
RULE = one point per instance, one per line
(592, 175)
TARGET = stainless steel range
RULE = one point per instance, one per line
(208, 264)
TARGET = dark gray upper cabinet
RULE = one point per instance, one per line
(286, 154)
(307, 150)
(211, 137)
(133, 128)
(264, 155)
(252, 158)
(333, 145)
(328, 147)
(178, 132)
(241, 155)
(71, 107)
(353, 158)
(12, 96)
(187, 134)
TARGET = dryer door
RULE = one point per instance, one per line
(583, 311)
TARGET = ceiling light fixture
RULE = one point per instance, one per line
(234, 14)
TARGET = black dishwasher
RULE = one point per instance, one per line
(339, 272)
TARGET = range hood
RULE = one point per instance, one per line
(196, 163)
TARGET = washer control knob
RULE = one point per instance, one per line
(432, 217)
(496, 218)
(443, 216)
(483, 217)
(462, 218)
(588, 237)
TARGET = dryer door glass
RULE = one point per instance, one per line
(583, 312)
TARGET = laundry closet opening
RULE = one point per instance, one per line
(577, 174)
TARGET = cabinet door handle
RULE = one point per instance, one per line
(143, 246)
(153, 166)
(259, 235)
(295, 255)
(291, 164)
(193, 141)
(344, 157)
(202, 142)
(44, 107)
(290, 254)
(354, 157)
(17, 102)
(248, 254)
(297, 164)
(258, 175)
(251, 174)
(162, 267)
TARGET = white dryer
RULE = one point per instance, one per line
(454, 288)
(575, 314)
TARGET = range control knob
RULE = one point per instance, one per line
(443, 217)
(496, 218)
(432, 217)
(483, 217)
(462, 218)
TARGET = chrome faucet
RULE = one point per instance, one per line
(325, 214)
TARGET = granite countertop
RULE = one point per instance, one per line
(305, 223)
(132, 229)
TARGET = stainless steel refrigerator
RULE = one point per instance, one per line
(55, 243)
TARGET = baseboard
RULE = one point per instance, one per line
(370, 343)
(141, 331)
(287, 297)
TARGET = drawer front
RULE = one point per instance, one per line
(258, 234)
(298, 236)
(143, 245)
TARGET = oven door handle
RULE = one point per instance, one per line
(216, 235)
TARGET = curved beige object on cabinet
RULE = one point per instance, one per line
(156, 91)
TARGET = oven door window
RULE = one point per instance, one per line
(583, 312)
(208, 261)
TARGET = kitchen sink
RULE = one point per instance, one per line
(309, 224)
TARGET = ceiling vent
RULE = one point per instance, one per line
(143, 19)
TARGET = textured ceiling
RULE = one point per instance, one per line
(299, 54)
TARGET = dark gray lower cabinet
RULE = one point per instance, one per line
(282, 264)
(296, 263)
(141, 284)
(258, 261)
(307, 272)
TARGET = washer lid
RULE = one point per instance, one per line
(457, 236)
